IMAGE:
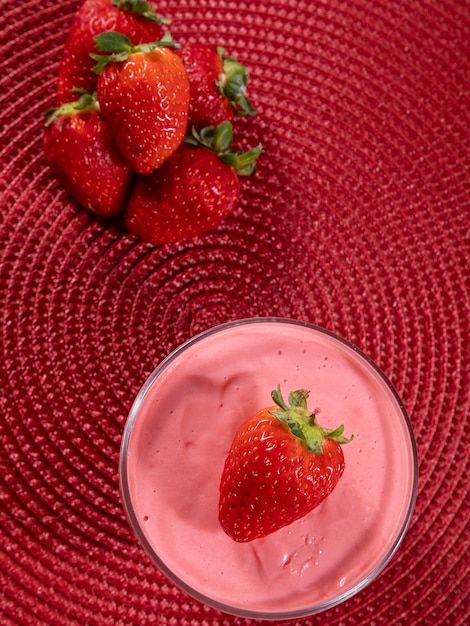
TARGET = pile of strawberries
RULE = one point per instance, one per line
(144, 125)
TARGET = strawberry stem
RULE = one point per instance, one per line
(85, 104)
(141, 7)
(302, 422)
(219, 140)
(121, 47)
(233, 82)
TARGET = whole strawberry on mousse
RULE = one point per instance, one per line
(82, 155)
(137, 19)
(282, 464)
(143, 93)
(193, 191)
(218, 84)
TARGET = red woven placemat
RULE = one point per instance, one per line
(357, 220)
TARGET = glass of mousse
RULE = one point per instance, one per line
(177, 437)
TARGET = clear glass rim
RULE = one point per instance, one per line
(134, 523)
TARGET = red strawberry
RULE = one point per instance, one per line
(136, 19)
(82, 155)
(143, 93)
(193, 191)
(218, 85)
(281, 465)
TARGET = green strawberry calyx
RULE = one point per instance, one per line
(86, 103)
(302, 422)
(219, 140)
(119, 48)
(232, 83)
(141, 7)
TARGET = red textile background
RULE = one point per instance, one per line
(357, 220)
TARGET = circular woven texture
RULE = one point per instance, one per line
(357, 220)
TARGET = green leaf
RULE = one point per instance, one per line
(113, 41)
(297, 431)
(336, 433)
(166, 39)
(206, 136)
(276, 395)
(229, 158)
(192, 141)
(217, 139)
(298, 398)
(223, 135)
(246, 161)
(103, 60)
(243, 107)
(141, 7)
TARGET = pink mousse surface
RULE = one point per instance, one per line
(181, 435)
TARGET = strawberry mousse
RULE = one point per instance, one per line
(178, 435)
